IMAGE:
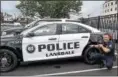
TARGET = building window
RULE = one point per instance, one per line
(116, 2)
(111, 3)
(111, 9)
(115, 8)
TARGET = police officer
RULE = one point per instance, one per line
(107, 48)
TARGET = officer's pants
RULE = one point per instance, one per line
(108, 60)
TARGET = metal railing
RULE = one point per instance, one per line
(108, 23)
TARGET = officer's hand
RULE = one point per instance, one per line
(97, 46)
(91, 45)
(100, 45)
(94, 46)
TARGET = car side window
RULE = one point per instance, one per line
(69, 28)
(49, 29)
(83, 30)
(73, 28)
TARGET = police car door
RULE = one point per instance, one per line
(72, 40)
(41, 44)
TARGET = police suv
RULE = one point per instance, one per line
(48, 41)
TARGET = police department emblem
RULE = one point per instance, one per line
(30, 48)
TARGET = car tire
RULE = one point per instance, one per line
(87, 55)
(8, 57)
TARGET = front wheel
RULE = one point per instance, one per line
(8, 60)
(89, 52)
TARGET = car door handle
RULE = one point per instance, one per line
(52, 38)
(84, 37)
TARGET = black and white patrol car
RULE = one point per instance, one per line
(47, 41)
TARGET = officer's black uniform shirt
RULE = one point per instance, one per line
(109, 45)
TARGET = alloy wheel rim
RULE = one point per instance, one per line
(90, 55)
(5, 60)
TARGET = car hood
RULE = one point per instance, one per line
(15, 28)
(11, 39)
(7, 37)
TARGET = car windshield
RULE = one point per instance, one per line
(36, 23)
(30, 24)
(33, 24)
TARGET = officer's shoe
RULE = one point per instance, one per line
(109, 68)
(114, 58)
(101, 65)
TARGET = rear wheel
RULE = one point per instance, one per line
(8, 60)
(89, 52)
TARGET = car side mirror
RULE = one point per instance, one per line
(31, 34)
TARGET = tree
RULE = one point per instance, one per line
(53, 9)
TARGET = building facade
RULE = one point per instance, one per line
(1, 17)
(110, 7)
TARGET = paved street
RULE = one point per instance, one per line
(71, 67)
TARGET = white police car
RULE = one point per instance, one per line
(47, 41)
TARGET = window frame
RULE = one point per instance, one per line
(111, 9)
(56, 33)
(116, 2)
(106, 5)
(111, 3)
(115, 8)
(89, 31)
